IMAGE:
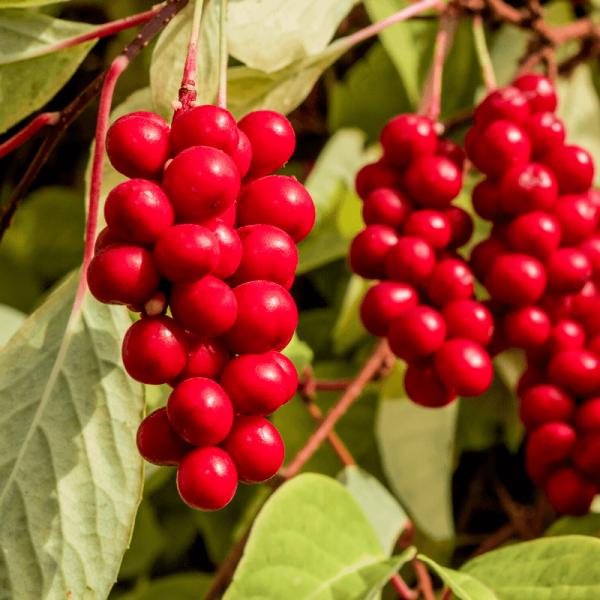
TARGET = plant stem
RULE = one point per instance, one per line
(28, 131)
(483, 55)
(425, 584)
(405, 592)
(223, 55)
(187, 91)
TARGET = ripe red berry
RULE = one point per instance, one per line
(255, 447)
(207, 306)
(417, 333)
(368, 251)
(230, 247)
(572, 166)
(450, 280)
(451, 150)
(461, 225)
(535, 233)
(526, 327)
(272, 138)
(279, 201)
(430, 225)
(266, 320)
(545, 403)
(578, 218)
(411, 261)
(200, 411)
(376, 175)
(291, 375)
(567, 269)
(569, 492)
(424, 387)
(242, 156)
(383, 303)
(526, 187)
(586, 455)
(516, 279)
(539, 90)
(587, 416)
(545, 130)
(123, 274)
(486, 200)
(268, 253)
(386, 206)
(137, 145)
(406, 137)
(464, 367)
(105, 238)
(468, 319)
(586, 301)
(433, 181)
(565, 334)
(207, 479)
(506, 104)
(575, 370)
(155, 350)
(158, 443)
(591, 248)
(202, 183)
(484, 254)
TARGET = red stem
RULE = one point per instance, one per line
(447, 594)
(425, 584)
(405, 592)
(28, 131)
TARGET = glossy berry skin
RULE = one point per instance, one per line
(417, 333)
(527, 187)
(568, 269)
(450, 280)
(572, 166)
(586, 455)
(279, 201)
(155, 350)
(578, 218)
(486, 200)
(138, 146)
(105, 238)
(158, 443)
(255, 383)
(452, 151)
(255, 447)
(565, 334)
(383, 303)
(539, 90)
(516, 279)
(376, 175)
(368, 251)
(527, 327)
(202, 183)
(200, 411)
(484, 254)
(430, 225)
(569, 492)
(267, 318)
(186, 253)
(410, 261)
(591, 248)
(587, 416)
(432, 181)
(123, 274)
(461, 226)
(464, 367)
(291, 375)
(406, 137)
(138, 211)
(207, 357)
(268, 253)
(535, 233)
(468, 319)
(204, 125)
(423, 386)
(575, 370)
(272, 139)
(545, 130)
(386, 206)
(506, 103)
(207, 479)
(545, 403)
(230, 247)
(242, 156)
(585, 302)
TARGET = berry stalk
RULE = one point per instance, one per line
(28, 132)
(187, 91)
(483, 55)
(222, 96)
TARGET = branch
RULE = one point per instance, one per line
(405, 592)
(50, 118)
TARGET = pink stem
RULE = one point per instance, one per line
(447, 594)
(223, 56)
(187, 91)
(28, 131)
(405, 592)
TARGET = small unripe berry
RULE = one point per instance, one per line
(567, 269)
(569, 492)
(539, 90)
(535, 233)
(368, 251)
(468, 319)
(291, 375)
(410, 261)
(386, 206)
(516, 279)
(377, 175)
(430, 225)
(433, 181)
(545, 403)
(450, 280)
(230, 247)
(506, 103)
(572, 166)
(575, 370)
(383, 303)
(527, 187)
(406, 137)
(423, 386)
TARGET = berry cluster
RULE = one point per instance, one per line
(540, 265)
(204, 229)
(425, 306)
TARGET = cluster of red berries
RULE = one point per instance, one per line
(425, 306)
(540, 265)
(204, 229)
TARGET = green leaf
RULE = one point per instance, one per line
(29, 77)
(312, 540)
(586, 525)
(10, 321)
(184, 586)
(168, 58)
(269, 35)
(72, 476)
(348, 330)
(507, 47)
(464, 586)
(299, 353)
(386, 516)
(562, 568)
(24, 3)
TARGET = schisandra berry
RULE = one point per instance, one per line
(137, 145)
(545, 403)
(557, 306)
(585, 302)
(567, 270)
(242, 156)
(587, 416)
(430, 225)
(158, 443)
(105, 238)
(406, 137)
(539, 90)
(533, 375)
(230, 247)
(468, 319)
(526, 327)
(545, 130)
(486, 200)
(484, 254)
(578, 218)
(575, 370)
(461, 226)
(450, 280)
(591, 248)
(586, 455)
(377, 175)
(572, 166)
(368, 251)
(383, 303)
(155, 350)
(423, 386)
(504, 104)
(527, 187)
(516, 279)
(433, 181)
(535, 233)
(569, 492)
(207, 479)
(386, 206)
(255, 447)
(288, 368)
(410, 261)
(452, 151)
(565, 334)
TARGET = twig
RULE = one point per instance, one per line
(223, 56)
(405, 592)
(424, 579)
(520, 516)
(496, 539)
(483, 55)
(447, 594)
(50, 118)
(187, 91)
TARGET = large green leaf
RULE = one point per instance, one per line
(507, 47)
(557, 568)
(10, 321)
(71, 476)
(586, 525)
(26, 3)
(348, 329)
(312, 540)
(270, 34)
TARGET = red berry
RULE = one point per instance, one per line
(504, 104)
(105, 238)
(484, 254)
(572, 166)
(565, 334)
(569, 492)
(535, 233)
(471, 140)
(383, 303)
(202, 183)
(386, 206)
(526, 327)
(451, 150)
(433, 181)
(417, 333)
(266, 320)
(230, 247)
(272, 138)
(376, 175)
(461, 225)
(406, 137)
(586, 455)
(207, 479)
(242, 157)
(158, 443)
(575, 370)
(516, 279)
(587, 416)
(567, 269)
(123, 274)
(593, 197)
(200, 411)
(368, 251)
(268, 253)
(137, 145)
(545, 403)
(464, 367)
(424, 387)
(411, 261)
(577, 217)
(450, 280)
(594, 344)
(468, 319)
(431, 225)
(547, 448)
(486, 200)
(291, 375)
(591, 248)
(155, 350)
(207, 306)
(532, 375)
(255, 447)
(279, 201)
(545, 131)
(586, 301)
(539, 90)
(526, 187)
